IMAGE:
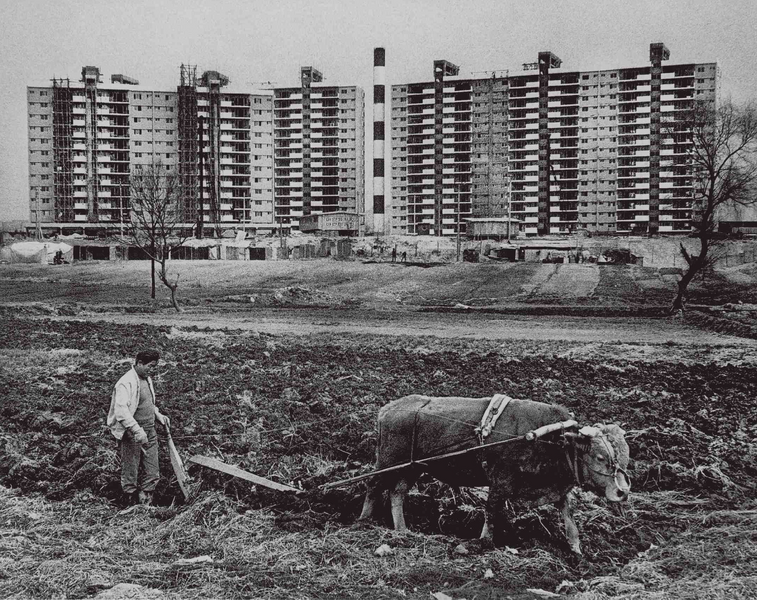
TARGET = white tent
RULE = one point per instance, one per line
(39, 252)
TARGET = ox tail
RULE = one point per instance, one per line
(378, 439)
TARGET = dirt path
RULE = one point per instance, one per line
(442, 325)
(578, 281)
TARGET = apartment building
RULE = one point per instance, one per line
(87, 137)
(80, 147)
(319, 150)
(226, 153)
(557, 150)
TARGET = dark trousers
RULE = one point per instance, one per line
(139, 463)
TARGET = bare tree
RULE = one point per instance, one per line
(721, 156)
(158, 201)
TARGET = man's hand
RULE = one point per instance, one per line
(163, 420)
(140, 437)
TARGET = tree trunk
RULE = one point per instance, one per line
(174, 300)
(171, 285)
(678, 302)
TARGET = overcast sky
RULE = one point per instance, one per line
(255, 41)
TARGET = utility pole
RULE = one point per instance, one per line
(38, 229)
(121, 220)
(509, 207)
(458, 224)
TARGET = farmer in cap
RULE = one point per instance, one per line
(131, 420)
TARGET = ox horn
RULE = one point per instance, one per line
(589, 431)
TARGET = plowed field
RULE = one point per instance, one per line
(296, 402)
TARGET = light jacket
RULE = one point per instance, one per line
(124, 402)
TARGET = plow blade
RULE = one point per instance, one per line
(178, 467)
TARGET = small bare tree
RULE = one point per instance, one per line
(158, 201)
(721, 155)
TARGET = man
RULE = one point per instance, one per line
(131, 420)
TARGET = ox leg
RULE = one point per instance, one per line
(571, 531)
(497, 527)
(397, 498)
(369, 504)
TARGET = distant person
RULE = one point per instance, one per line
(58, 259)
(404, 257)
(131, 420)
(394, 254)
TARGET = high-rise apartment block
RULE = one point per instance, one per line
(555, 150)
(255, 161)
(319, 150)
(558, 150)
(225, 142)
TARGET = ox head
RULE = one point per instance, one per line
(602, 459)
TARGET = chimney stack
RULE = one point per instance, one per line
(379, 111)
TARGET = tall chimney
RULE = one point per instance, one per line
(379, 109)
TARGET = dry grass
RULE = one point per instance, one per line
(73, 549)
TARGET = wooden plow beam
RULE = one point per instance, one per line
(217, 465)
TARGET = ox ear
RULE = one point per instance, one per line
(589, 431)
(611, 429)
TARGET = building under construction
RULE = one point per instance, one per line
(556, 150)
(87, 137)
(319, 150)
(79, 151)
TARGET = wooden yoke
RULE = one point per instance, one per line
(545, 429)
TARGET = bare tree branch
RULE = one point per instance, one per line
(158, 226)
(721, 155)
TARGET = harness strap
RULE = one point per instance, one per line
(497, 406)
(415, 430)
(573, 463)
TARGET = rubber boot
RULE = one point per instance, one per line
(129, 499)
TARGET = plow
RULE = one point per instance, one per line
(183, 478)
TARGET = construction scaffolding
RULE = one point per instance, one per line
(90, 140)
(489, 146)
(213, 81)
(63, 189)
(189, 146)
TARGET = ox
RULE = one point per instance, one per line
(417, 427)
